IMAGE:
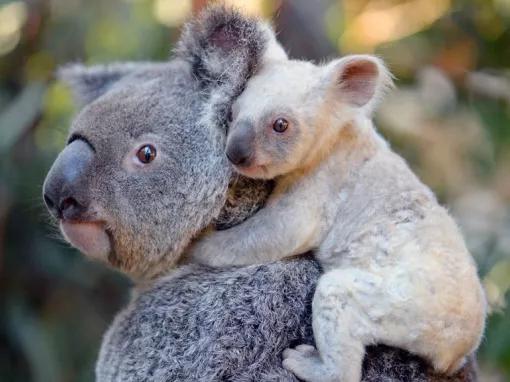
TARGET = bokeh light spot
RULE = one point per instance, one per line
(172, 13)
(12, 19)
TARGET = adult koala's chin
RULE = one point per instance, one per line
(142, 174)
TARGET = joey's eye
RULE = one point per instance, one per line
(146, 154)
(280, 125)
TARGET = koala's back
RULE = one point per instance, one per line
(203, 324)
(231, 325)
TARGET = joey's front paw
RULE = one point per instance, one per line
(304, 361)
(204, 252)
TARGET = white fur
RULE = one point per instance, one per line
(396, 268)
(273, 50)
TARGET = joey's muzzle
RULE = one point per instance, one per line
(65, 187)
(240, 148)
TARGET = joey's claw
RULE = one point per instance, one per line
(289, 353)
(304, 361)
(302, 351)
(305, 348)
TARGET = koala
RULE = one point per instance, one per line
(393, 259)
(143, 174)
(119, 178)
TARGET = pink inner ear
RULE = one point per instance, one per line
(358, 81)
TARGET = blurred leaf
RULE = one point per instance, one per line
(496, 116)
(20, 114)
(51, 133)
(28, 334)
(495, 346)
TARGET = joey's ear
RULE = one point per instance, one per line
(221, 43)
(89, 83)
(360, 80)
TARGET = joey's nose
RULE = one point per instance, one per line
(240, 145)
(65, 188)
(238, 156)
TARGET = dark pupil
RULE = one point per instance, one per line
(147, 152)
(280, 125)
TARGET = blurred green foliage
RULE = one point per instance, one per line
(450, 118)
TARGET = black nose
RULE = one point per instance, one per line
(65, 188)
(238, 157)
(65, 208)
(240, 144)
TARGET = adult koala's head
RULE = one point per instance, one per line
(144, 170)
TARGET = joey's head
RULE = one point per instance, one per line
(144, 171)
(291, 111)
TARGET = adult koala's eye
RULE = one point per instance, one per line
(146, 154)
(280, 125)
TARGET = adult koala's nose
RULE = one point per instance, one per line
(65, 187)
(241, 144)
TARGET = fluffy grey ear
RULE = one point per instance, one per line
(222, 43)
(361, 80)
(89, 83)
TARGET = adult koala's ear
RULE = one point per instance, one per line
(359, 80)
(89, 83)
(222, 44)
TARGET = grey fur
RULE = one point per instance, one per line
(245, 196)
(196, 324)
(144, 102)
(87, 84)
(202, 324)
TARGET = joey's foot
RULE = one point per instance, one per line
(304, 361)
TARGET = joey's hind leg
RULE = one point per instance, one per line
(341, 328)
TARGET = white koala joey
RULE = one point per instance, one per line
(396, 268)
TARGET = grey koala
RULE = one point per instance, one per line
(143, 174)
